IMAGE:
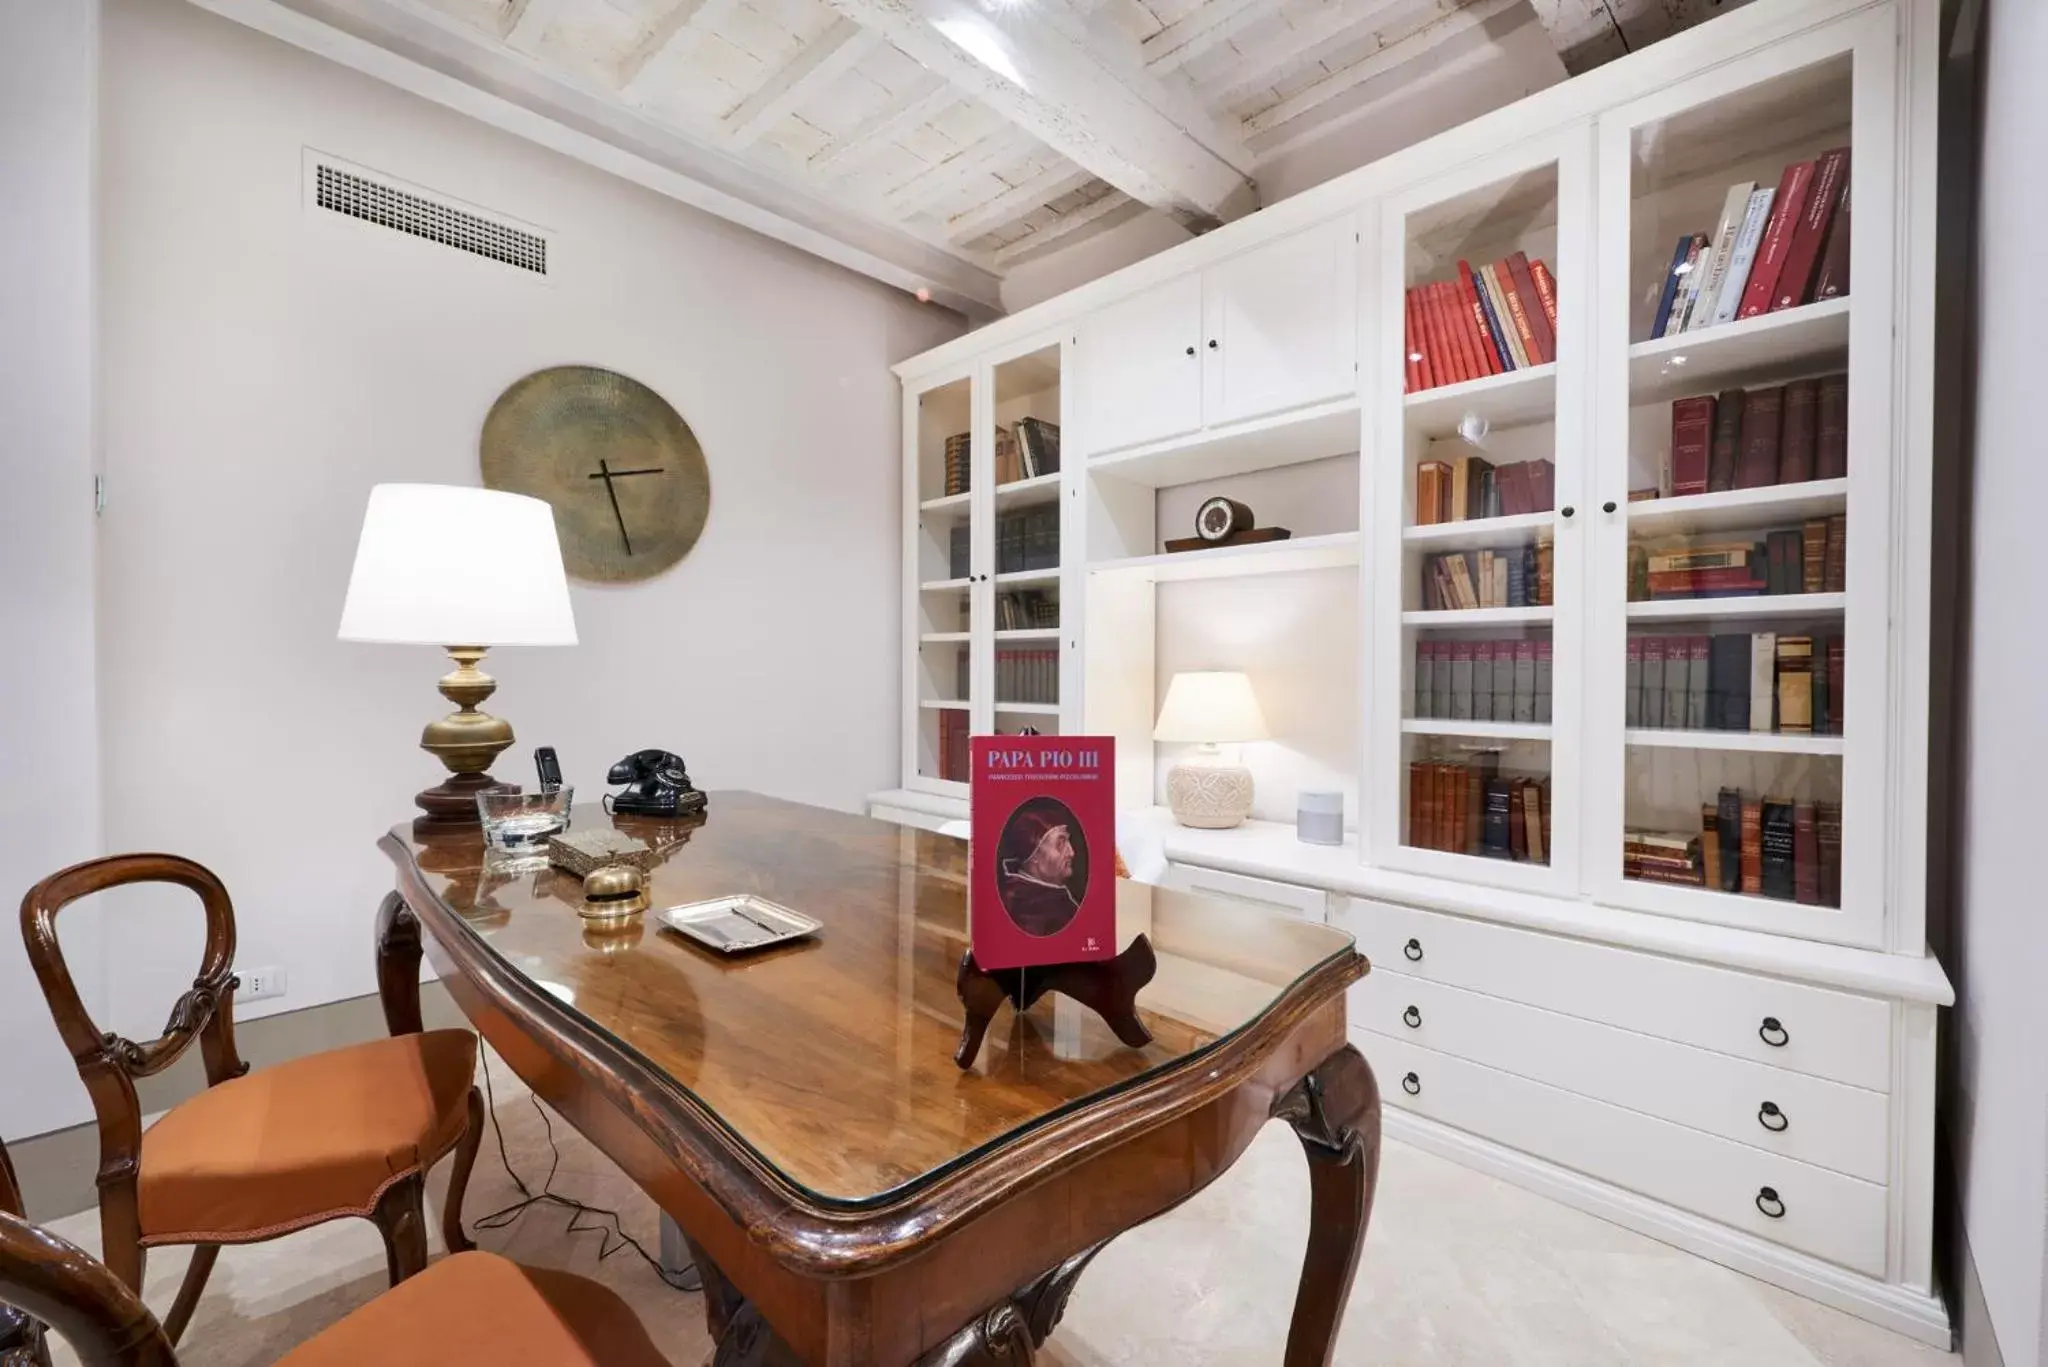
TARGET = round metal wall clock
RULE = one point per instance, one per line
(620, 467)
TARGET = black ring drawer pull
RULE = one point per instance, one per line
(1413, 950)
(1771, 1118)
(1412, 1085)
(1772, 1033)
(1412, 1018)
(1767, 1201)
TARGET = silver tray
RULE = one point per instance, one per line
(738, 924)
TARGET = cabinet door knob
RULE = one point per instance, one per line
(1767, 1199)
(1191, 351)
(1771, 1118)
(1212, 344)
(1566, 511)
(1608, 506)
(1412, 1085)
(1412, 1018)
(1413, 949)
(1772, 1033)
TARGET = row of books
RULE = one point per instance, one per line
(1488, 321)
(1026, 451)
(1773, 248)
(1764, 847)
(1736, 681)
(1483, 680)
(1810, 558)
(1514, 578)
(1747, 439)
(1028, 539)
(1021, 675)
(1472, 808)
(1471, 487)
(1027, 609)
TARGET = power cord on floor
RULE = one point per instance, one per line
(610, 1240)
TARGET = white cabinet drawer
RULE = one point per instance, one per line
(1785, 1024)
(1808, 1118)
(1311, 904)
(1823, 1213)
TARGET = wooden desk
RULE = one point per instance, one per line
(850, 1195)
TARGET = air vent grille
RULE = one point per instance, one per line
(359, 196)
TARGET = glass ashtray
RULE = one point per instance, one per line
(520, 823)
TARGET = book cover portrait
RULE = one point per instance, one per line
(1043, 807)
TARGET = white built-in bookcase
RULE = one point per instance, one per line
(1267, 360)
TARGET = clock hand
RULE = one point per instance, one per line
(612, 491)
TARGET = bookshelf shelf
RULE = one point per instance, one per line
(1753, 742)
(1754, 608)
(944, 704)
(1519, 396)
(1476, 533)
(1478, 617)
(1738, 509)
(1021, 578)
(1494, 730)
(1266, 557)
(940, 638)
(1022, 492)
(1029, 634)
(943, 585)
(1811, 338)
(1029, 709)
(948, 503)
(1265, 443)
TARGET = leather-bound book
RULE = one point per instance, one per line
(1805, 855)
(1836, 658)
(1813, 556)
(1796, 443)
(1418, 801)
(1827, 823)
(1835, 564)
(1752, 846)
(1544, 341)
(1692, 440)
(1727, 445)
(1728, 827)
(1831, 281)
(1831, 428)
(1762, 414)
(1786, 210)
(1710, 844)
(1778, 850)
(1802, 256)
(1795, 684)
(1531, 800)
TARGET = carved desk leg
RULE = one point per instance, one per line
(398, 965)
(1335, 1111)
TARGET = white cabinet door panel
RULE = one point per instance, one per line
(1280, 325)
(1140, 369)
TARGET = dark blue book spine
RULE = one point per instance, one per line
(1671, 278)
(1494, 335)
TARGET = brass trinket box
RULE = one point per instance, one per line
(582, 851)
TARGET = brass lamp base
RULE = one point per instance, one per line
(466, 741)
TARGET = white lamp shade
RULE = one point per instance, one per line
(447, 566)
(1208, 706)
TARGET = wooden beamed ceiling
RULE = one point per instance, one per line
(952, 139)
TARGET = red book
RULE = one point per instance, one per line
(1442, 358)
(1831, 281)
(1805, 854)
(1542, 486)
(1546, 290)
(1795, 279)
(1831, 435)
(1786, 210)
(1796, 448)
(1837, 656)
(1762, 415)
(1482, 335)
(1518, 316)
(1692, 439)
(1532, 310)
(1453, 305)
(1427, 366)
(1043, 857)
(1411, 355)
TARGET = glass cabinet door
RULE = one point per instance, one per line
(946, 560)
(1477, 388)
(1025, 652)
(1737, 698)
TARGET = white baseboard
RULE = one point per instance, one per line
(1901, 1309)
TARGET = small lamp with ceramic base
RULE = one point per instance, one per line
(1212, 709)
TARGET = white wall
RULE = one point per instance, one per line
(2000, 1120)
(264, 367)
(49, 753)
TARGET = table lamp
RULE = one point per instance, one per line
(1211, 708)
(463, 569)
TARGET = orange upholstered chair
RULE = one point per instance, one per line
(350, 1132)
(473, 1308)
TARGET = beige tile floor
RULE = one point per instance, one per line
(1459, 1269)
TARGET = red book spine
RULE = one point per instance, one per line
(1532, 308)
(1546, 290)
(1837, 658)
(1832, 279)
(1517, 313)
(1431, 365)
(1831, 440)
(1795, 279)
(1692, 439)
(1454, 328)
(1441, 358)
(1786, 210)
(1469, 291)
(1411, 356)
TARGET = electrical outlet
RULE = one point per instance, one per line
(259, 984)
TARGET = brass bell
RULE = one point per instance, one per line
(613, 891)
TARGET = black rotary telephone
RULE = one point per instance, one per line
(657, 784)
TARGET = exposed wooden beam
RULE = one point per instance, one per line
(1186, 39)
(1038, 73)
(1396, 45)
(1020, 199)
(1590, 33)
(980, 160)
(1067, 229)
(526, 20)
(912, 108)
(838, 49)
(677, 32)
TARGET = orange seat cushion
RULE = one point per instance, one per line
(303, 1142)
(481, 1308)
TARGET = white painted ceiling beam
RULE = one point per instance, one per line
(944, 182)
(1397, 44)
(675, 33)
(912, 108)
(1037, 73)
(1060, 179)
(1083, 222)
(838, 49)
(526, 20)
(1263, 62)
(1185, 39)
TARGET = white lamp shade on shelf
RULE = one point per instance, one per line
(1210, 707)
(444, 565)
